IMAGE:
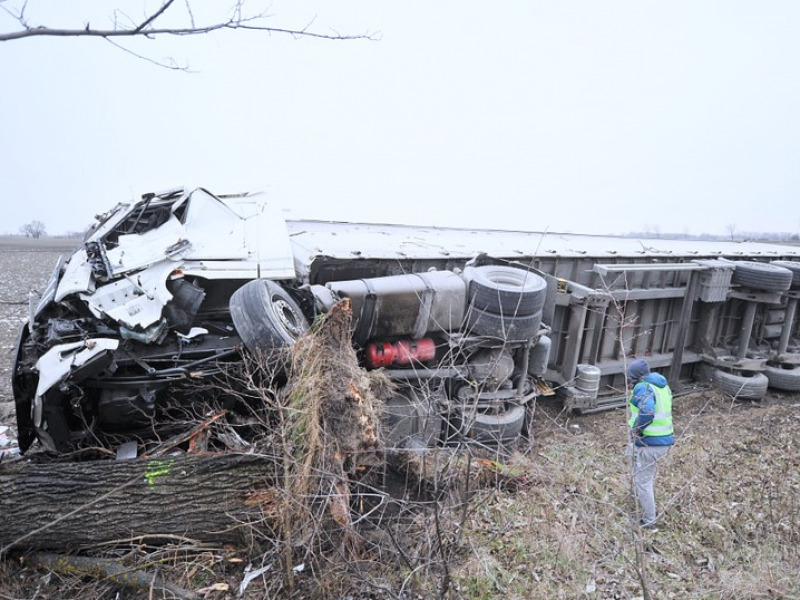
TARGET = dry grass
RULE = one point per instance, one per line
(728, 494)
(556, 521)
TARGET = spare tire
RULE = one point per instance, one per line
(762, 276)
(505, 290)
(266, 316)
(794, 267)
(743, 387)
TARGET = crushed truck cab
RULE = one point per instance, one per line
(168, 291)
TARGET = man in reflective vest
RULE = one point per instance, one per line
(651, 431)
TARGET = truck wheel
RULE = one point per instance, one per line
(505, 290)
(794, 267)
(497, 427)
(412, 416)
(762, 276)
(511, 329)
(784, 377)
(266, 316)
(743, 387)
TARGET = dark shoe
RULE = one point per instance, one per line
(651, 526)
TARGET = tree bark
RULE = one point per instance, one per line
(65, 506)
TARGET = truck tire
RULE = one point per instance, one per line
(743, 387)
(784, 377)
(496, 428)
(794, 267)
(511, 329)
(505, 290)
(762, 276)
(411, 417)
(266, 316)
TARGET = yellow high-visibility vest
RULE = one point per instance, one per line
(662, 419)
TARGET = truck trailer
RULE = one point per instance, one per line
(471, 326)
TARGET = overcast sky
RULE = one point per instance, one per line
(586, 116)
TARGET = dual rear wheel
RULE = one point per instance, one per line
(504, 302)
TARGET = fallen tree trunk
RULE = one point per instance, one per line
(64, 506)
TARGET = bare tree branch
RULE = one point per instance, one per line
(167, 63)
(237, 19)
(154, 16)
(189, 12)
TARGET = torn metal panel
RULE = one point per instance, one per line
(49, 291)
(77, 276)
(244, 237)
(134, 252)
(55, 366)
(135, 301)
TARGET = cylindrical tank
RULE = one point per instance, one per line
(587, 380)
(404, 305)
(540, 355)
(491, 367)
(402, 352)
(771, 331)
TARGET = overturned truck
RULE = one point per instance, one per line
(471, 325)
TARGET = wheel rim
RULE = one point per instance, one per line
(287, 316)
(511, 281)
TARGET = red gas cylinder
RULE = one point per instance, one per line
(403, 352)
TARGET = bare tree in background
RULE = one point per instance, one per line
(169, 18)
(34, 229)
(731, 229)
